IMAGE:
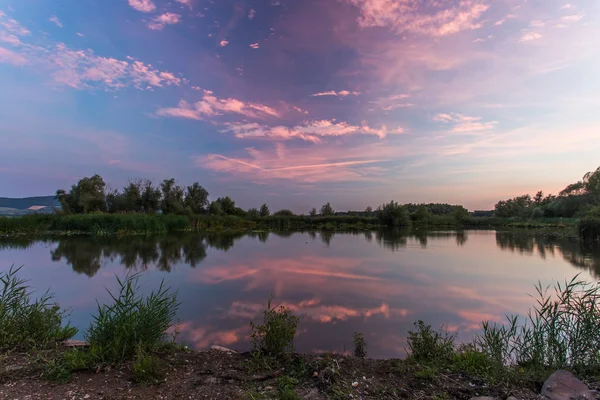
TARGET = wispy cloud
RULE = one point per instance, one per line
(313, 131)
(185, 2)
(56, 21)
(12, 26)
(251, 13)
(342, 93)
(431, 18)
(224, 43)
(255, 45)
(464, 124)
(10, 57)
(143, 5)
(211, 106)
(160, 21)
(529, 36)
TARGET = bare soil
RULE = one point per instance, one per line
(222, 375)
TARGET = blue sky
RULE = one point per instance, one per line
(297, 103)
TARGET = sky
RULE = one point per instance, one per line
(300, 102)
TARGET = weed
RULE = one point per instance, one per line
(25, 323)
(562, 330)
(275, 336)
(360, 345)
(57, 371)
(474, 362)
(428, 345)
(131, 323)
(285, 388)
(147, 369)
(427, 372)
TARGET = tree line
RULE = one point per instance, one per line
(579, 199)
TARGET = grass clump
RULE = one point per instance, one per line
(427, 345)
(26, 323)
(360, 345)
(275, 336)
(285, 388)
(562, 330)
(131, 324)
(147, 369)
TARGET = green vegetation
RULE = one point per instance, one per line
(427, 345)
(132, 323)
(360, 345)
(147, 368)
(26, 323)
(275, 337)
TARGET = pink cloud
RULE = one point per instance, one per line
(185, 2)
(160, 21)
(54, 19)
(12, 26)
(530, 36)
(342, 93)
(10, 57)
(223, 43)
(211, 106)
(143, 5)
(416, 16)
(312, 131)
(465, 124)
(251, 13)
(255, 45)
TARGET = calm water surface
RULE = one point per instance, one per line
(376, 283)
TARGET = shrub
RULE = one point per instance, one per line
(428, 345)
(360, 345)
(276, 335)
(25, 323)
(132, 323)
(56, 371)
(285, 388)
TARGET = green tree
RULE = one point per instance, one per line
(253, 213)
(132, 195)
(196, 199)
(421, 214)
(368, 210)
(215, 208)
(115, 202)
(264, 210)
(85, 197)
(151, 197)
(284, 213)
(327, 210)
(172, 197)
(393, 214)
(313, 212)
(227, 205)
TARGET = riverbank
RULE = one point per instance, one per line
(227, 375)
(131, 224)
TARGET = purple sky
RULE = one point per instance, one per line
(299, 102)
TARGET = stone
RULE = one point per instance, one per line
(75, 343)
(563, 385)
(221, 348)
(511, 398)
(483, 398)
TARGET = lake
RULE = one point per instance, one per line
(377, 283)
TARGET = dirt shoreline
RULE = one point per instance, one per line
(223, 375)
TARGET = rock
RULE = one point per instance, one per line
(563, 385)
(75, 343)
(221, 348)
(483, 398)
(512, 398)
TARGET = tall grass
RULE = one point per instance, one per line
(27, 323)
(561, 331)
(132, 323)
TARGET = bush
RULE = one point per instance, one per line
(360, 345)
(132, 323)
(427, 345)
(285, 388)
(25, 323)
(276, 335)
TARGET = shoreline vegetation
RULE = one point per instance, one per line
(132, 350)
(142, 207)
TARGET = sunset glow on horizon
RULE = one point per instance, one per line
(300, 102)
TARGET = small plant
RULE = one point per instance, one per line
(474, 362)
(275, 336)
(428, 345)
(132, 322)
(147, 369)
(285, 388)
(360, 345)
(25, 323)
(57, 371)
(427, 373)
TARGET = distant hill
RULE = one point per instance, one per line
(25, 205)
